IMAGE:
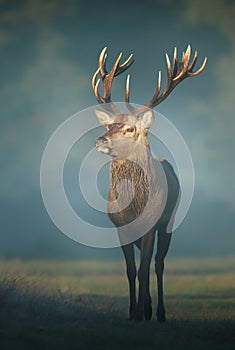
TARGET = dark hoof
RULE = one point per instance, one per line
(139, 315)
(147, 312)
(140, 318)
(136, 317)
(133, 313)
(132, 317)
(161, 315)
(161, 318)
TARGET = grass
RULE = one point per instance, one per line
(84, 304)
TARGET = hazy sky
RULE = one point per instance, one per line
(49, 51)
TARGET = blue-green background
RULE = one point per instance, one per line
(48, 53)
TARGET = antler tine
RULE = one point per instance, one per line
(102, 58)
(193, 74)
(127, 61)
(175, 68)
(185, 61)
(98, 97)
(169, 73)
(93, 83)
(104, 64)
(191, 66)
(125, 65)
(127, 97)
(128, 88)
(155, 96)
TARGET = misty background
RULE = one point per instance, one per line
(48, 54)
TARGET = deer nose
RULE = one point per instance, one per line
(101, 141)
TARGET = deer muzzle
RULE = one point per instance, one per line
(102, 145)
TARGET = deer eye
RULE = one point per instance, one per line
(131, 129)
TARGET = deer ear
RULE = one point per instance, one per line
(103, 117)
(146, 120)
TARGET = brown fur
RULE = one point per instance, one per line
(144, 181)
(138, 189)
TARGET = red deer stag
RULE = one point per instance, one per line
(126, 141)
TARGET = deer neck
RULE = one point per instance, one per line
(132, 184)
(139, 168)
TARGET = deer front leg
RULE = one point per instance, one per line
(164, 239)
(144, 306)
(128, 251)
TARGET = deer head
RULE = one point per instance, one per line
(124, 133)
(125, 129)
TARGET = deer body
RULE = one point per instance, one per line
(144, 191)
(143, 180)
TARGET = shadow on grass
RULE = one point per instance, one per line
(31, 319)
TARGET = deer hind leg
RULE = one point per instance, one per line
(164, 239)
(144, 306)
(128, 251)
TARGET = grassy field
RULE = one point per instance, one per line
(84, 305)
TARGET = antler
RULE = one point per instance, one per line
(181, 70)
(107, 78)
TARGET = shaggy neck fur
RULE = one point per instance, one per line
(138, 180)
